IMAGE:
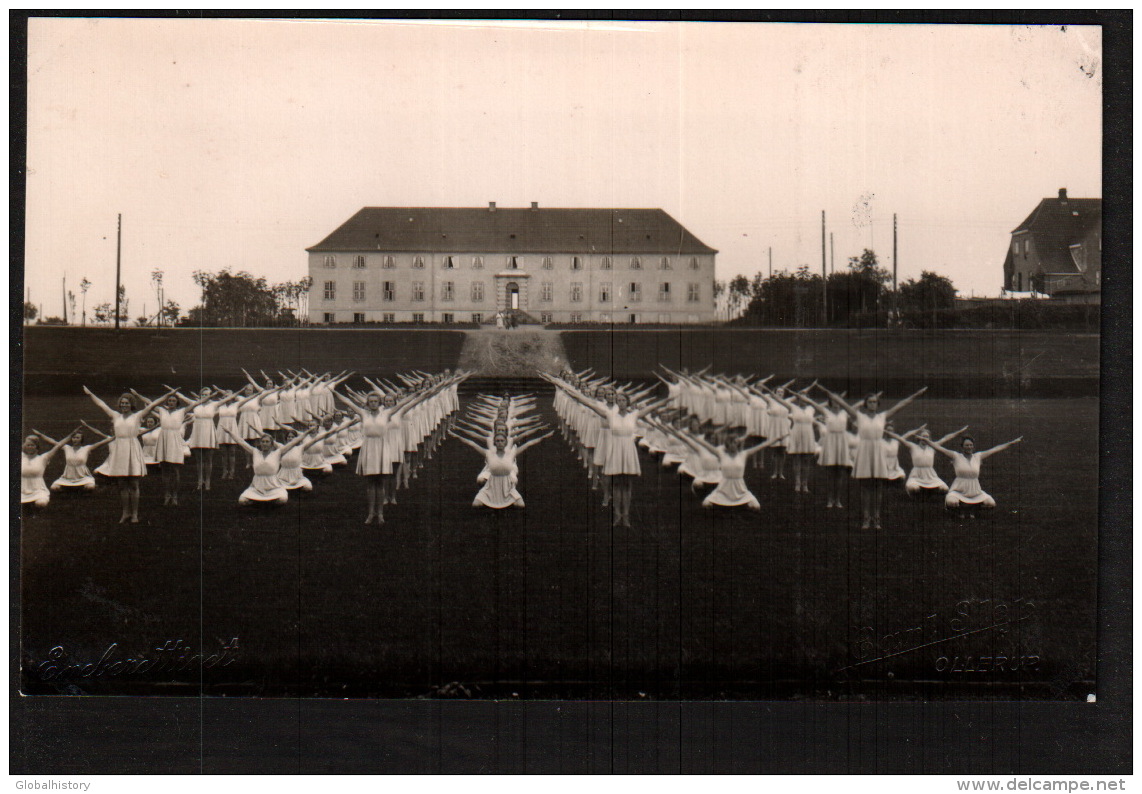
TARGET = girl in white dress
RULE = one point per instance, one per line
(869, 465)
(228, 422)
(265, 488)
(149, 439)
(289, 470)
(891, 447)
(732, 490)
(622, 464)
(922, 476)
(966, 492)
(801, 442)
(500, 460)
(268, 403)
(250, 416)
(203, 439)
(171, 449)
(33, 464)
(313, 451)
(75, 457)
(778, 428)
(834, 448)
(124, 462)
(374, 461)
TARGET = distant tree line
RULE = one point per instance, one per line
(239, 300)
(860, 296)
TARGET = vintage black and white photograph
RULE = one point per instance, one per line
(561, 360)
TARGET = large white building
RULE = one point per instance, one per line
(453, 264)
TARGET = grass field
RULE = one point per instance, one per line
(553, 601)
(953, 363)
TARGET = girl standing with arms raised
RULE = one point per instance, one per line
(869, 465)
(124, 462)
(171, 450)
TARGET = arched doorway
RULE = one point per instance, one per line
(513, 295)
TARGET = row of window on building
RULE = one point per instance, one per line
(546, 291)
(478, 317)
(389, 262)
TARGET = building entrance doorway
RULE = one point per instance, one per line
(513, 295)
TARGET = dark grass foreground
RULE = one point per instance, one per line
(552, 601)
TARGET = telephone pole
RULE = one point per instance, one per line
(824, 277)
(118, 259)
(895, 294)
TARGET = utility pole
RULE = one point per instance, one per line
(824, 277)
(65, 299)
(118, 259)
(771, 261)
(895, 294)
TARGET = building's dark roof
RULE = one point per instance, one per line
(510, 230)
(1058, 223)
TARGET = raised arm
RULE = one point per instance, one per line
(250, 378)
(56, 445)
(239, 441)
(914, 431)
(592, 404)
(153, 404)
(936, 446)
(759, 447)
(96, 431)
(652, 407)
(532, 442)
(904, 402)
(357, 409)
(469, 442)
(102, 405)
(950, 436)
(850, 410)
(989, 452)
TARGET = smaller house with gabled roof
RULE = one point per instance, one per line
(1057, 250)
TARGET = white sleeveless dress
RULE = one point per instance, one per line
(732, 490)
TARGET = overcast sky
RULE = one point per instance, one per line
(240, 143)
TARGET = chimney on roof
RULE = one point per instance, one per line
(1062, 194)
(535, 205)
(491, 206)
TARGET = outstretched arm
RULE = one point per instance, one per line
(759, 447)
(914, 431)
(96, 431)
(850, 410)
(357, 409)
(153, 404)
(239, 441)
(472, 444)
(654, 406)
(1000, 448)
(950, 436)
(102, 405)
(56, 445)
(936, 446)
(904, 402)
(532, 442)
